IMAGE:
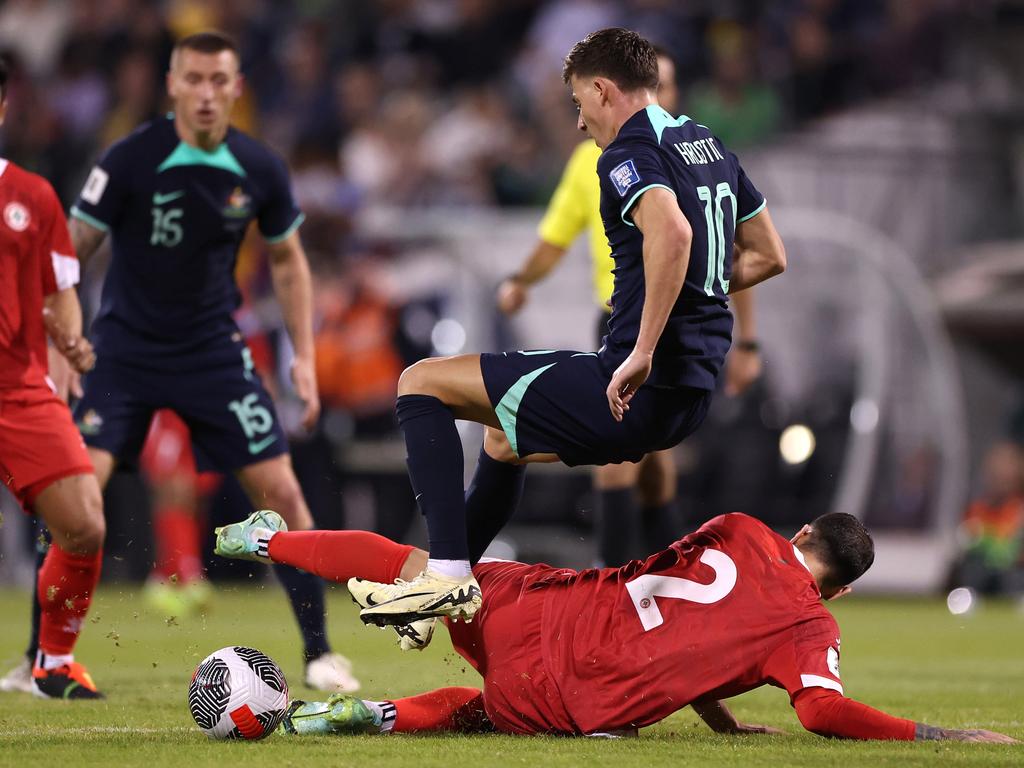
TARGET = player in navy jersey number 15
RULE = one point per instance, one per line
(176, 198)
(686, 227)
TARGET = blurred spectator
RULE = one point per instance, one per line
(136, 98)
(384, 158)
(304, 111)
(741, 111)
(993, 526)
(35, 30)
(357, 365)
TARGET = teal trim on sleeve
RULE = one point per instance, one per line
(636, 196)
(288, 232)
(508, 407)
(92, 221)
(754, 212)
(660, 120)
(186, 154)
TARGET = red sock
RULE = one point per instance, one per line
(341, 555)
(176, 533)
(446, 709)
(66, 584)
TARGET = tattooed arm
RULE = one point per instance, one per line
(924, 732)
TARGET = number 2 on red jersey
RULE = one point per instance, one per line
(644, 589)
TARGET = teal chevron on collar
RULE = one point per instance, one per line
(186, 154)
(660, 120)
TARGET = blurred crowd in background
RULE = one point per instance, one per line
(446, 102)
(421, 104)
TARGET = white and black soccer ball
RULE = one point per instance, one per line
(238, 693)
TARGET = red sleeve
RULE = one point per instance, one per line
(808, 657)
(828, 713)
(56, 254)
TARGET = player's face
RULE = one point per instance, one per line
(588, 94)
(204, 87)
(668, 92)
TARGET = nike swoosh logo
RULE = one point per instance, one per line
(159, 199)
(406, 597)
(257, 447)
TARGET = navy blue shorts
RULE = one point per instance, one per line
(216, 392)
(601, 327)
(554, 402)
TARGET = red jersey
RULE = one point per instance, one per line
(727, 609)
(36, 259)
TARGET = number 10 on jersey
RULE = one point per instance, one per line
(714, 217)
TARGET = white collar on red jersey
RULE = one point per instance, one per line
(800, 557)
(3, 165)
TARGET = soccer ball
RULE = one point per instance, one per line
(237, 693)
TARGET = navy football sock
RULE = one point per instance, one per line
(306, 594)
(434, 457)
(491, 500)
(617, 517)
(42, 547)
(660, 527)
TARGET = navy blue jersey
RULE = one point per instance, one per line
(654, 149)
(176, 216)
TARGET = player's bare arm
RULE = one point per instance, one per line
(720, 719)
(924, 732)
(743, 363)
(514, 290)
(758, 254)
(62, 316)
(85, 238)
(293, 287)
(828, 713)
(666, 252)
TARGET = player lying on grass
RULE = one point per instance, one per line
(726, 609)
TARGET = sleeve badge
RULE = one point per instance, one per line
(624, 176)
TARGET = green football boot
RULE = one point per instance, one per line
(339, 714)
(249, 539)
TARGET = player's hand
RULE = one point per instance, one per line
(750, 728)
(512, 295)
(76, 349)
(742, 368)
(304, 382)
(626, 380)
(80, 354)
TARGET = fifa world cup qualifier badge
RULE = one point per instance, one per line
(624, 176)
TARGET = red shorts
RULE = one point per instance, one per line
(503, 643)
(39, 443)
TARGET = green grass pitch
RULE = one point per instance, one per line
(909, 657)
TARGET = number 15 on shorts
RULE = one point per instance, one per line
(256, 421)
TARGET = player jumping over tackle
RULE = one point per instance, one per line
(686, 227)
(726, 609)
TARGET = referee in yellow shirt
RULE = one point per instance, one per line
(574, 207)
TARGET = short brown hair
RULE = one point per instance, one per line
(621, 55)
(210, 41)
